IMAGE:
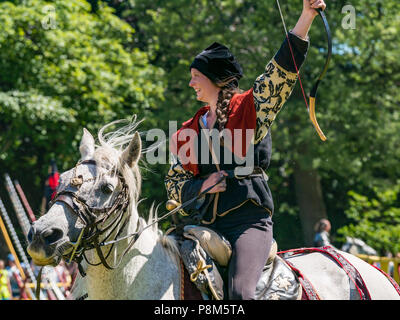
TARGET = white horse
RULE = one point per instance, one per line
(97, 204)
(357, 246)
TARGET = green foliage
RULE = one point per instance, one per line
(375, 219)
(112, 59)
(363, 122)
(65, 68)
(356, 103)
(175, 31)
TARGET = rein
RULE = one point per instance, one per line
(175, 210)
(92, 217)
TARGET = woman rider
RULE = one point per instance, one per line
(241, 206)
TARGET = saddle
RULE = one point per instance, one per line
(206, 254)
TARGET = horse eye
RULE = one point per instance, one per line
(107, 188)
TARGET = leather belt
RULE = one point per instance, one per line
(241, 173)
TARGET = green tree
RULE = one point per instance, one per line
(309, 178)
(65, 68)
(376, 219)
(106, 62)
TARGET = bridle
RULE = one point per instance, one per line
(94, 217)
(96, 220)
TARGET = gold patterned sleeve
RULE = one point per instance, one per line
(274, 87)
(181, 185)
(271, 90)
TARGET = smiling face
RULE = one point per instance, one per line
(206, 90)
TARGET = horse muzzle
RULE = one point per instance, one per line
(44, 244)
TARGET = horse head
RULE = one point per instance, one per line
(95, 201)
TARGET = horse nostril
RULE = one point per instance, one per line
(51, 235)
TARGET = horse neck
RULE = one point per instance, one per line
(148, 262)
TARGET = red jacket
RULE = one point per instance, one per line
(241, 115)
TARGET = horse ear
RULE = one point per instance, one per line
(87, 145)
(131, 154)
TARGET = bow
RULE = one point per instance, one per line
(313, 92)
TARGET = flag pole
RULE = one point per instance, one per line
(25, 224)
(24, 201)
(18, 245)
(9, 242)
(23, 220)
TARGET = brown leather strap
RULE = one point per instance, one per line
(215, 206)
(68, 200)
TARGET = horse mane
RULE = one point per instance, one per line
(107, 154)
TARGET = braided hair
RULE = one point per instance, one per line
(228, 89)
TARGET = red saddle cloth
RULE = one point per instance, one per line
(309, 292)
(190, 292)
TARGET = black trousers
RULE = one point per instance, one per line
(249, 230)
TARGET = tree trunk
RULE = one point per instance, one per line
(310, 201)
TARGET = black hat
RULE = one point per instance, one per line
(218, 64)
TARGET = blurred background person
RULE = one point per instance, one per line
(321, 238)
(50, 187)
(5, 285)
(17, 283)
